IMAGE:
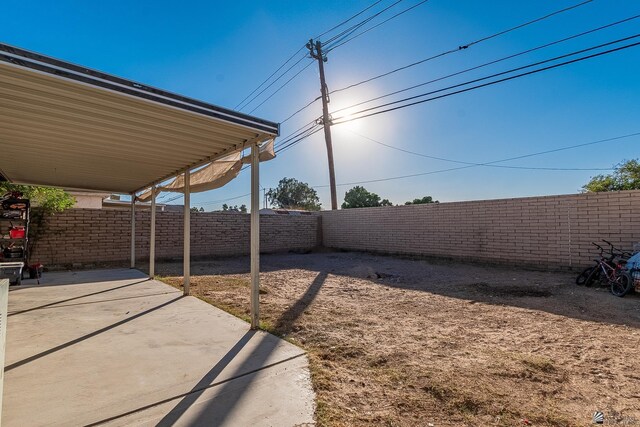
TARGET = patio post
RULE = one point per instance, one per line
(133, 230)
(186, 268)
(255, 237)
(152, 239)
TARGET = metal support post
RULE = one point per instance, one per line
(255, 237)
(152, 239)
(186, 268)
(133, 230)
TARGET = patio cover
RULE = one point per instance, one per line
(68, 126)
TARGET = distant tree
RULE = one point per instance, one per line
(293, 194)
(626, 176)
(201, 209)
(195, 209)
(235, 208)
(423, 201)
(359, 197)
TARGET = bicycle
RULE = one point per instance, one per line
(618, 279)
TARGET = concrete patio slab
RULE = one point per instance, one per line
(110, 347)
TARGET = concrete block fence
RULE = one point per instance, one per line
(93, 236)
(539, 232)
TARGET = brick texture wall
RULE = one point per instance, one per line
(88, 236)
(552, 231)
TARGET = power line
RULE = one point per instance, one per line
(539, 153)
(462, 47)
(489, 163)
(350, 117)
(281, 86)
(299, 139)
(473, 163)
(295, 141)
(342, 41)
(486, 64)
(349, 19)
(301, 109)
(354, 27)
(246, 104)
(214, 202)
(268, 78)
(296, 133)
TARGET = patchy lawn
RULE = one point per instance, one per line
(402, 342)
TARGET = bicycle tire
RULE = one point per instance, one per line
(583, 276)
(595, 276)
(622, 284)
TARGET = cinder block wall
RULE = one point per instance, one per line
(88, 236)
(552, 231)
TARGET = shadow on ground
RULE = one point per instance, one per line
(552, 292)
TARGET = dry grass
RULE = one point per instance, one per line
(426, 344)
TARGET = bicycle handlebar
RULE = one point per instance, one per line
(613, 251)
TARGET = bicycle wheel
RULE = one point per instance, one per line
(583, 277)
(594, 277)
(622, 284)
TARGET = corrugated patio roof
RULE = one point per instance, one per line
(68, 126)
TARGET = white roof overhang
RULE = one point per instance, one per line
(67, 126)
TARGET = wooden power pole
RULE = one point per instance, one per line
(326, 120)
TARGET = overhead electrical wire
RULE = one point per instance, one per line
(281, 86)
(472, 163)
(301, 109)
(344, 39)
(359, 114)
(497, 74)
(348, 19)
(354, 27)
(299, 139)
(268, 78)
(616, 138)
(293, 140)
(462, 47)
(523, 156)
(488, 63)
(295, 133)
(275, 81)
(251, 97)
(214, 202)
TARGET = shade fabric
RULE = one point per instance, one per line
(215, 174)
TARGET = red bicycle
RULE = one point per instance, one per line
(609, 269)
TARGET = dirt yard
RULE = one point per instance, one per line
(400, 342)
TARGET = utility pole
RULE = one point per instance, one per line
(326, 119)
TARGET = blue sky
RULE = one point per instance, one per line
(220, 51)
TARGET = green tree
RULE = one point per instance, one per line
(49, 200)
(234, 208)
(359, 197)
(423, 201)
(626, 176)
(195, 209)
(293, 194)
